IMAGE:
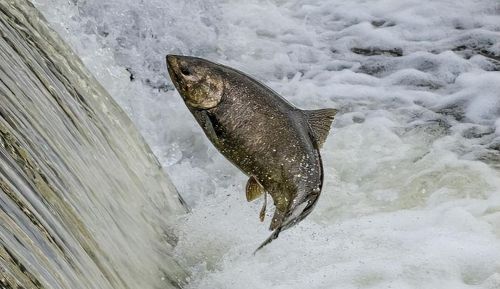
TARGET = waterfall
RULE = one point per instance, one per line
(83, 201)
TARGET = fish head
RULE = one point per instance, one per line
(292, 212)
(199, 81)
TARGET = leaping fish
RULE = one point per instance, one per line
(273, 142)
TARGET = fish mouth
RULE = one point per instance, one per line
(174, 71)
(173, 68)
(173, 60)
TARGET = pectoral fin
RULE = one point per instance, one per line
(253, 189)
(320, 121)
(207, 125)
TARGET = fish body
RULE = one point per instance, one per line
(266, 137)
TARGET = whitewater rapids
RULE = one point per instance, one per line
(412, 187)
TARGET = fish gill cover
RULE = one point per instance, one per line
(412, 189)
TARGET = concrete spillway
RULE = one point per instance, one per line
(83, 201)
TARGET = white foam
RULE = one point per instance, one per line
(411, 187)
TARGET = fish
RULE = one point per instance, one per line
(276, 144)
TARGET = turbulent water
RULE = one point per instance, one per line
(83, 202)
(412, 187)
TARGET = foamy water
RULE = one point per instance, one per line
(412, 188)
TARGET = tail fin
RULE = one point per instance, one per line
(273, 236)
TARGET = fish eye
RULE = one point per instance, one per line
(185, 70)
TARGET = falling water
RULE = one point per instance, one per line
(411, 197)
(83, 201)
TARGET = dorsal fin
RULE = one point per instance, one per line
(320, 121)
